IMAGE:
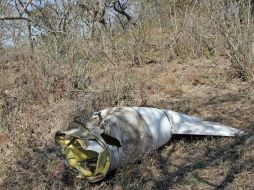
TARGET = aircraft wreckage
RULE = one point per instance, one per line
(114, 137)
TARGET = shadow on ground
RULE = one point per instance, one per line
(228, 151)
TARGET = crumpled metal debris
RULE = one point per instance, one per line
(117, 136)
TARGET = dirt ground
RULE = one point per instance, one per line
(205, 87)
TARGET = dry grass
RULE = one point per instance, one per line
(190, 64)
(198, 87)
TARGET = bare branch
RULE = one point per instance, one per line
(24, 10)
(118, 8)
(11, 18)
(121, 10)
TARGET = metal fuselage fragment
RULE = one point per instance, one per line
(121, 135)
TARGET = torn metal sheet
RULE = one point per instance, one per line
(117, 136)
